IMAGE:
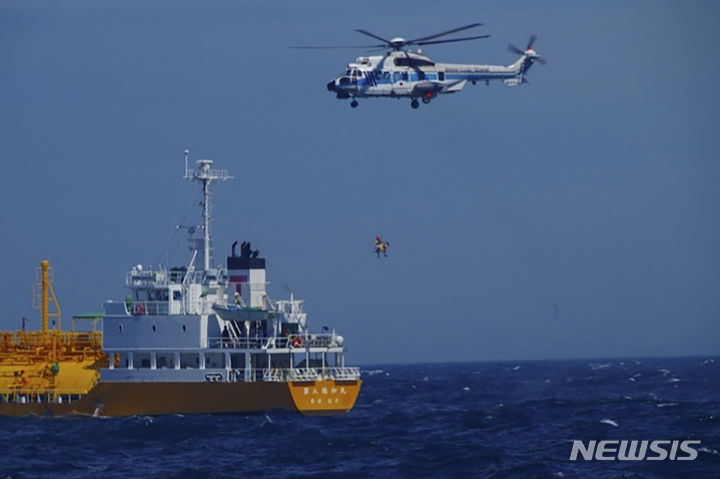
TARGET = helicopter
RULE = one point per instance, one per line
(401, 73)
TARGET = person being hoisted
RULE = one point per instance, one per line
(381, 246)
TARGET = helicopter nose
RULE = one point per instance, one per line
(331, 85)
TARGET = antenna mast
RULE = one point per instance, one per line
(206, 176)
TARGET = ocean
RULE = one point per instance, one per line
(465, 420)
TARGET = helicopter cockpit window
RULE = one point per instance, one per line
(404, 75)
(348, 72)
(396, 77)
(386, 75)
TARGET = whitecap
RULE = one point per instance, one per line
(666, 404)
(426, 379)
(465, 388)
(596, 366)
(707, 361)
(674, 380)
(631, 379)
(664, 372)
(558, 474)
(709, 451)
(629, 398)
(516, 368)
(546, 381)
(609, 422)
(373, 372)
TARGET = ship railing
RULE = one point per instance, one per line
(310, 374)
(137, 308)
(30, 340)
(236, 343)
(274, 342)
(41, 396)
(324, 340)
(290, 374)
(146, 278)
(344, 373)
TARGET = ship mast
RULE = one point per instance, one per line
(206, 176)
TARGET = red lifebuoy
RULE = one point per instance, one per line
(139, 309)
(296, 342)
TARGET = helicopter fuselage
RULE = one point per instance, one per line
(412, 75)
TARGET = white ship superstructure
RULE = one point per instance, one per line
(214, 324)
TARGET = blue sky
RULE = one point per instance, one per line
(594, 189)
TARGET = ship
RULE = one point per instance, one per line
(198, 338)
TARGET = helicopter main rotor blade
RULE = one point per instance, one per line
(365, 32)
(429, 37)
(450, 41)
(338, 48)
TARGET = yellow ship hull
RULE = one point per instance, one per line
(327, 397)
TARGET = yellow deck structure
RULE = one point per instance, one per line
(40, 366)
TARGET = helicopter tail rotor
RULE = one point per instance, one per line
(529, 52)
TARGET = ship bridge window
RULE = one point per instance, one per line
(177, 295)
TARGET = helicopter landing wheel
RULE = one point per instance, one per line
(414, 103)
(426, 99)
(354, 103)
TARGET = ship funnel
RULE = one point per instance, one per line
(247, 276)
